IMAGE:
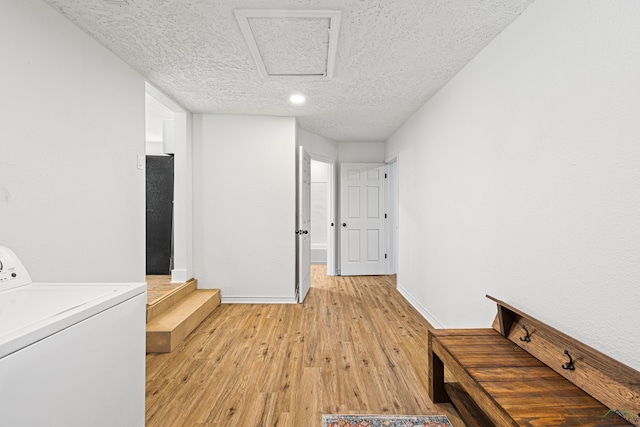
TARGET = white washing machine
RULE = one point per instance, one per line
(70, 354)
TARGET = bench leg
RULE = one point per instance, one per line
(437, 393)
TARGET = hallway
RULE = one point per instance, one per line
(354, 346)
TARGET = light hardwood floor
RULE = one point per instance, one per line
(354, 347)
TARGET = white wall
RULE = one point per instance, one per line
(521, 179)
(326, 149)
(244, 206)
(361, 152)
(72, 203)
(318, 146)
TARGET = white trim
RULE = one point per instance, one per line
(243, 15)
(388, 218)
(318, 256)
(323, 159)
(423, 311)
(259, 300)
(168, 136)
(391, 206)
(334, 30)
(392, 158)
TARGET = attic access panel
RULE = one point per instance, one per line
(291, 43)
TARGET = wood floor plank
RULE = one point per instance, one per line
(354, 346)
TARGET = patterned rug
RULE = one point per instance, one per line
(385, 421)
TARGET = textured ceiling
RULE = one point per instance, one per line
(392, 55)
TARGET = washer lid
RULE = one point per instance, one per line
(22, 307)
(38, 310)
(12, 272)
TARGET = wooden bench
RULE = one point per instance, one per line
(522, 372)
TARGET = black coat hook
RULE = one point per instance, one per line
(569, 364)
(526, 338)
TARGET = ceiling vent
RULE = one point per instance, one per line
(291, 43)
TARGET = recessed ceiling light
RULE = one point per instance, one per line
(297, 99)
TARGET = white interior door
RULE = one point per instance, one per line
(362, 219)
(304, 224)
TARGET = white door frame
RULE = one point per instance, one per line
(392, 211)
(182, 209)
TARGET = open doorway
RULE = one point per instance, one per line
(323, 228)
(168, 141)
(159, 172)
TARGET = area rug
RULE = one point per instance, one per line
(385, 421)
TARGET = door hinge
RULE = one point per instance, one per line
(385, 256)
(385, 176)
(385, 216)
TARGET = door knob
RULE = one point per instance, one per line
(306, 231)
(344, 224)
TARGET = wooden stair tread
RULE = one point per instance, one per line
(170, 299)
(173, 317)
(171, 327)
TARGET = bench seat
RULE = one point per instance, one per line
(509, 386)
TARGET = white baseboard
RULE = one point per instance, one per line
(258, 300)
(318, 256)
(423, 311)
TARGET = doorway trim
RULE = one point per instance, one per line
(391, 204)
(183, 190)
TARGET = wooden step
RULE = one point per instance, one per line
(170, 299)
(171, 327)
